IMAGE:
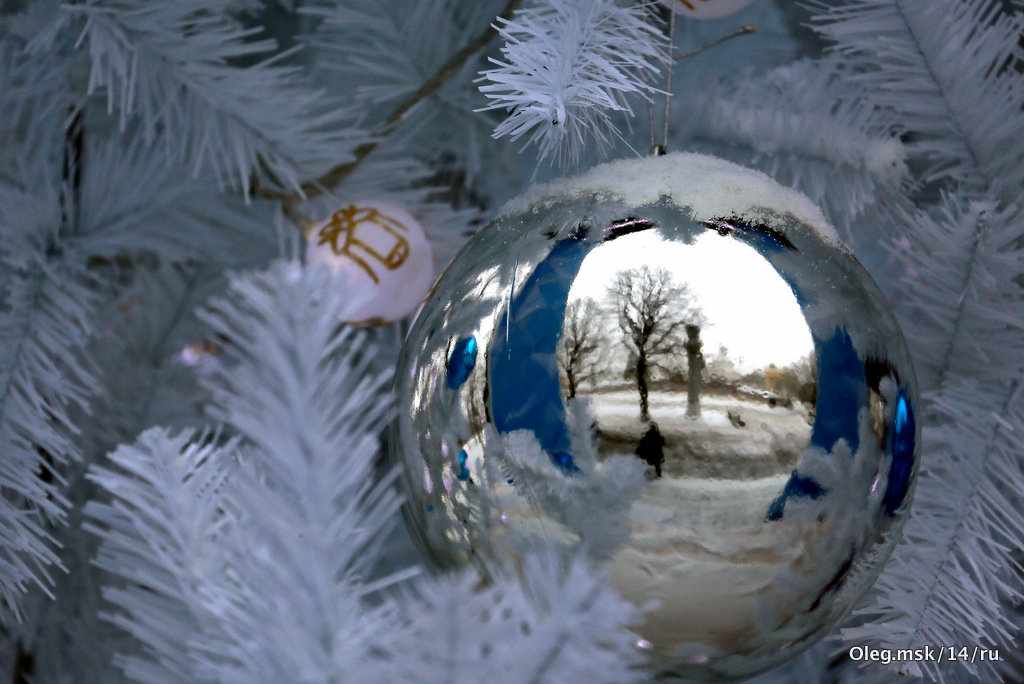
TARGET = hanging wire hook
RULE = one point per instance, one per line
(662, 148)
(650, 113)
(668, 81)
(741, 31)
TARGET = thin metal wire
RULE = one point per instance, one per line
(742, 30)
(668, 79)
(650, 111)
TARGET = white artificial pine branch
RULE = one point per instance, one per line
(175, 68)
(163, 536)
(946, 67)
(42, 324)
(557, 621)
(112, 203)
(151, 351)
(375, 54)
(36, 102)
(132, 202)
(964, 321)
(125, 202)
(188, 76)
(565, 65)
(299, 387)
(315, 517)
(119, 199)
(822, 122)
(382, 51)
(809, 128)
(144, 379)
(949, 582)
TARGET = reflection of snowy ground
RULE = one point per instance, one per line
(696, 507)
(758, 441)
(730, 584)
(699, 543)
(702, 549)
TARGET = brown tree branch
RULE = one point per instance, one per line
(337, 174)
(741, 31)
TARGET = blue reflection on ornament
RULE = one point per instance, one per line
(525, 391)
(463, 473)
(461, 362)
(842, 390)
(796, 486)
(904, 431)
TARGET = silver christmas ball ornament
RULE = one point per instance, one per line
(673, 363)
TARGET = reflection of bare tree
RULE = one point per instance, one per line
(653, 311)
(582, 345)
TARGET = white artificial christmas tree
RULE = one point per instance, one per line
(190, 481)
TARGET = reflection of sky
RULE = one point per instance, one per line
(749, 308)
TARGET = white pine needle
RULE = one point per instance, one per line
(565, 65)
(559, 621)
(162, 536)
(43, 322)
(175, 67)
(946, 68)
(301, 388)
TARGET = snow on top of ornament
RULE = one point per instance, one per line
(707, 186)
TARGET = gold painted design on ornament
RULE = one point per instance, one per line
(340, 233)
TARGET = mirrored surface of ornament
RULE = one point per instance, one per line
(721, 410)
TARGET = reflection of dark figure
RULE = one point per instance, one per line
(651, 446)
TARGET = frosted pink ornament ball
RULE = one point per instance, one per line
(385, 254)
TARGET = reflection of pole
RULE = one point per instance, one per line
(695, 366)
